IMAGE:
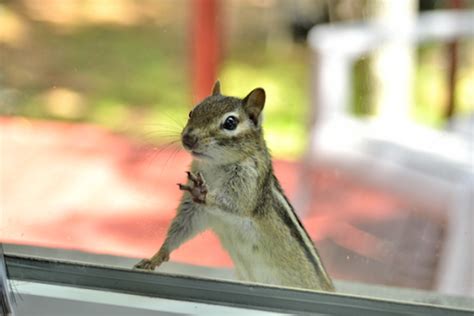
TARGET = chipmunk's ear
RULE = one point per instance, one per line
(253, 104)
(216, 90)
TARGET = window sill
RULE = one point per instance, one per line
(218, 293)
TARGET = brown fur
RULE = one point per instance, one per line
(241, 200)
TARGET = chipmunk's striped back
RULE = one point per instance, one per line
(299, 233)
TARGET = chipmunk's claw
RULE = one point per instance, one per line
(191, 176)
(197, 187)
(155, 261)
(184, 187)
(196, 179)
(145, 264)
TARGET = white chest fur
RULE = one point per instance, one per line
(238, 232)
(241, 238)
(218, 176)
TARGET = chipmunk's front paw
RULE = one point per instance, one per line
(197, 187)
(145, 264)
(151, 264)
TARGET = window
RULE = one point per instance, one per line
(368, 126)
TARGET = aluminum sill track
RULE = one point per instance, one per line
(210, 291)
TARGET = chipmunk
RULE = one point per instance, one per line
(233, 191)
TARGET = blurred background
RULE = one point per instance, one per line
(369, 117)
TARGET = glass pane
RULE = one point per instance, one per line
(369, 137)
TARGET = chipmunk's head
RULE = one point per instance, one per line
(223, 129)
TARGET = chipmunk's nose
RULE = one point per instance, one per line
(189, 141)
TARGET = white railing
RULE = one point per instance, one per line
(337, 46)
(424, 164)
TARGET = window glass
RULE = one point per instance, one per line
(370, 132)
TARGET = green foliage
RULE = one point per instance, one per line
(362, 93)
(285, 116)
(136, 80)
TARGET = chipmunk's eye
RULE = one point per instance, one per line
(230, 123)
(191, 112)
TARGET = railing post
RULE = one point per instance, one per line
(205, 46)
